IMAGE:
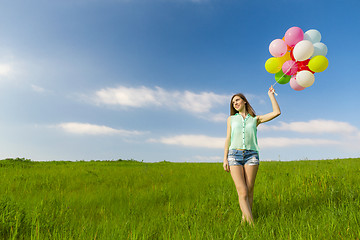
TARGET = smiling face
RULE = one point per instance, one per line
(238, 103)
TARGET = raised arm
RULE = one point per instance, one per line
(275, 106)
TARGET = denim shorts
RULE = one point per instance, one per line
(242, 157)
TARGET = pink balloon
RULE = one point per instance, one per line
(293, 36)
(294, 85)
(290, 67)
(278, 48)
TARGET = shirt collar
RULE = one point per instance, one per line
(247, 116)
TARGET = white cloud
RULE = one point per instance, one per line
(201, 141)
(140, 97)
(92, 129)
(130, 97)
(285, 142)
(5, 70)
(214, 117)
(200, 102)
(314, 126)
(207, 159)
(346, 134)
(38, 88)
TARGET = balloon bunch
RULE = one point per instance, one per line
(296, 57)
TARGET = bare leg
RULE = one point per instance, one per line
(238, 175)
(250, 175)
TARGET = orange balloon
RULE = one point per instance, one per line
(288, 47)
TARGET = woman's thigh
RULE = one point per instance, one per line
(238, 175)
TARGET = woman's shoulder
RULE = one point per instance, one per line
(254, 118)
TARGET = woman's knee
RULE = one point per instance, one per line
(251, 189)
(242, 192)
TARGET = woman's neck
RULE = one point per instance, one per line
(243, 113)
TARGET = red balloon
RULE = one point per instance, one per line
(303, 65)
(292, 55)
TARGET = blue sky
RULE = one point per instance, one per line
(152, 79)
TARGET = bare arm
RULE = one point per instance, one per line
(275, 106)
(227, 144)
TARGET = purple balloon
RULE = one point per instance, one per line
(294, 85)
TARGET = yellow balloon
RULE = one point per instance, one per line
(318, 63)
(273, 65)
(285, 58)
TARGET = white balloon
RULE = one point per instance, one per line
(320, 49)
(303, 50)
(312, 35)
(305, 78)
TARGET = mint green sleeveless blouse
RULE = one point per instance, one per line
(243, 132)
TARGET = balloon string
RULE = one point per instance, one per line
(283, 75)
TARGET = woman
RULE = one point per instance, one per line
(241, 156)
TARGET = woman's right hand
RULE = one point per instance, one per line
(226, 165)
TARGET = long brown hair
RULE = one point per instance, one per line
(248, 107)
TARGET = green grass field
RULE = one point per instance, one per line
(134, 200)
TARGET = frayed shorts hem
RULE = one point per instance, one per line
(243, 157)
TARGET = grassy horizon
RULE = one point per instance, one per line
(315, 199)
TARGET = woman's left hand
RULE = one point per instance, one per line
(271, 91)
